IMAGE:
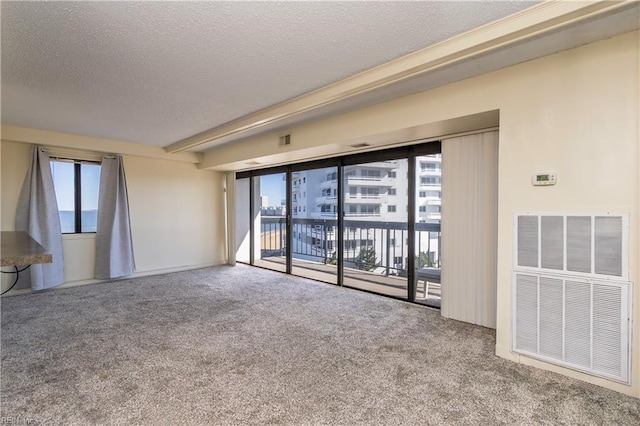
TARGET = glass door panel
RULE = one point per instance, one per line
(428, 218)
(243, 220)
(314, 199)
(375, 227)
(270, 221)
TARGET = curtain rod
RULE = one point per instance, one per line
(69, 154)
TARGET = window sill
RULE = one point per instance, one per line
(85, 236)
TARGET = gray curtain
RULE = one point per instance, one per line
(114, 245)
(38, 215)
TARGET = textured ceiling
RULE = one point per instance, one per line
(158, 72)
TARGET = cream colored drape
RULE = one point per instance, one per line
(469, 228)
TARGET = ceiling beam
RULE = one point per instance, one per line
(529, 23)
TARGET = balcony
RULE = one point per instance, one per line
(431, 186)
(370, 181)
(314, 241)
(322, 215)
(353, 214)
(430, 172)
(366, 199)
(326, 199)
(329, 184)
(385, 165)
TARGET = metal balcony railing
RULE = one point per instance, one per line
(316, 240)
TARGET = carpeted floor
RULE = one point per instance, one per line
(241, 345)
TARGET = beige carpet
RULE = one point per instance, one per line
(241, 345)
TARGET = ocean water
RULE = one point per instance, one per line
(89, 221)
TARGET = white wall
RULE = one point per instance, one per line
(177, 214)
(574, 113)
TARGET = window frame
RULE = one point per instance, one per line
(77, 192)
(344, 164)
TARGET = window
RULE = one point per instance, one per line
(370, 174)
(428, 166)
(350, 244)
(370, 210)
(423, 209)
(76, 185)
(370, 216)
(370, 192)
(430, 180)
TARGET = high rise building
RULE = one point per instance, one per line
(375, 212)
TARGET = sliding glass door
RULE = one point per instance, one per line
(243, 220)
(375, 227)
(270, 223)
(428, 196)
(368, 221)
(314, 216)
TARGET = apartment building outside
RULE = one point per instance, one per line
(375, 214)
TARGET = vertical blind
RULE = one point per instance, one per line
(469, 228)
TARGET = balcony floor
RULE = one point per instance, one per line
(391, 285)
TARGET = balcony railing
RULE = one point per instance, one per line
(315, 239)
(353, 214)
(326, 199)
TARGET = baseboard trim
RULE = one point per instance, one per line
(506, 353)
(138, 274)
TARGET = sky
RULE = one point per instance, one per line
(274, 187)
(63, 181)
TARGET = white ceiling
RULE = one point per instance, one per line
(159, 72)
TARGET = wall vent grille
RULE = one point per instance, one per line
(588, 245)
(573, 322)
(571, 300)
(284, 140)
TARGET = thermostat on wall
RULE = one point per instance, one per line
(544, 179)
